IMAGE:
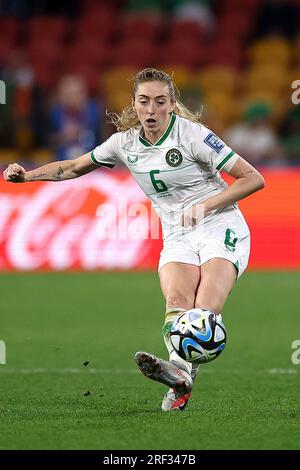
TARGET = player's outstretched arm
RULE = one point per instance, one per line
(55, 171)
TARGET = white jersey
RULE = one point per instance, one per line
(179, 170)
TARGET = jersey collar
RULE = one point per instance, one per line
(163, 137)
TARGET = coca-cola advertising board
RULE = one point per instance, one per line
(104, 221)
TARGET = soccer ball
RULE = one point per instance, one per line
(198, 335)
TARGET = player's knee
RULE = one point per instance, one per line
(212, 306)
(176, 299)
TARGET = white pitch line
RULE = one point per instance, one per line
(41, 370)
(282, 371)
(89, 370)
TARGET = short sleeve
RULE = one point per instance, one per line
(106, 154)
(213, 152)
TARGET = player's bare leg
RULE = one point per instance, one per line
(179, 282)
(218, 277)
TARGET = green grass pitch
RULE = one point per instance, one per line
(53, 323)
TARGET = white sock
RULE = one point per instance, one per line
(194, 371)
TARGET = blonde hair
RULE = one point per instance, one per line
(129, 119)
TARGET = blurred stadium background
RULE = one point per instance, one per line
(237, 59)
(63, 65)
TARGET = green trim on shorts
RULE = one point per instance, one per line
(237, 265)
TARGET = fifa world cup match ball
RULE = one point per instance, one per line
(198, 335)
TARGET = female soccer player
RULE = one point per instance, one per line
(176, 161)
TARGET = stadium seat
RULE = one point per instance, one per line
(23, 101)
(41, 156)
(236, 25)
(249, 6)
(9, 28)
(87, 51)
(139, 28)
(186, 30)
(218, 78)
(275, 51)
(183, 77)
(296, 53)
(225, 52)
(107, 10)
(292, 75)
(223, 105)
(118, 78)
(45, 50)
(182, 52)
(46, 74)
(6, 50)
(145, 8)
(133, 53)
(8, 155)
(98, 27)
(42, 27)
(118, 100)
(262, 78)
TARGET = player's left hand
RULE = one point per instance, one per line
(193, 215)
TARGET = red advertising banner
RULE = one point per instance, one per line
(273, 216)
(104, 221)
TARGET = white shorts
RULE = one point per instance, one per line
(224, 236)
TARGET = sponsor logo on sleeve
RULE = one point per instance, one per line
(214, 142)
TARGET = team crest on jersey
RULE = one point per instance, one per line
(214, 142)
(173, 157)
(132, 159)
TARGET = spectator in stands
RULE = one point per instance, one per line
(194, 10)
(255, 138)
(75, 119)
(24, 125)
(277, 17)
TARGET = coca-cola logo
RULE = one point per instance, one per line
(62, 225)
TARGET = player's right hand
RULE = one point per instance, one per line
(14, 173)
